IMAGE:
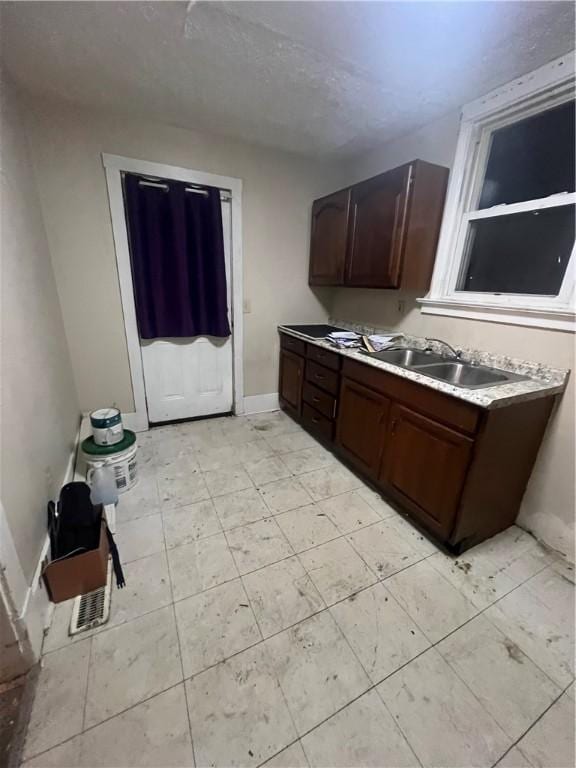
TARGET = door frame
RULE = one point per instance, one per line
(114, 166)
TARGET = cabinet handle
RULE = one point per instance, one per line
(315, 399)
(315, 420)
(319, 376)
(393, 426)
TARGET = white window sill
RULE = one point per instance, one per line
(554, 319)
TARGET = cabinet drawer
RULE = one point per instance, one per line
(292, 344)
(316, 422)
(323, 356)
(322, 377)
(319, 400)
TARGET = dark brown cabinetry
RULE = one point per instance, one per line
(328, 238)
(382, 232)
(361, 425)
(457, 470)
(291, 380)
(425, 465)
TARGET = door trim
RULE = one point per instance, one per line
(114, 165)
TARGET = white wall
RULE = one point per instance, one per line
(39, 412)
(278, 190)
(548, 506)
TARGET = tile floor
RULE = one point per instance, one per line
(278, 611)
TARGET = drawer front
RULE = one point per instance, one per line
(317, 423)
(443, 408)
(319, 400)
(324, 357)
(322, 377)
(292, 344)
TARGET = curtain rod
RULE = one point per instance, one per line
(225, 196)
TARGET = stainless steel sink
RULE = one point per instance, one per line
(468, 376)
(407, 358)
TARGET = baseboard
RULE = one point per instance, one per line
(37, 610)
(261, 403)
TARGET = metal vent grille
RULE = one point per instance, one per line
(91, 610)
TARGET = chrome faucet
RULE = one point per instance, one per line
(456, 352)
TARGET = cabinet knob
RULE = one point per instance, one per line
(315, 399)
(393, 426)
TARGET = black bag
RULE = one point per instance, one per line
(74, 527)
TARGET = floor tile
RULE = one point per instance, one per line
(336, 570)
(58, 706)
(223, 481)
(173, 450)
(258, 544)
(130, 663)
(564, 567)
(550, 742)
(141, 500)
(514, 759)
(377, 502)
(294, 441)
(282, 594)
(200, 565)
(154, 733)
(266, 470)
(221, 457)
(443, 722)
(538, 616)
(380, 632)
(502, 678)
(147, 589)
(273, 424)
(307, 527)
(240, 508)
(254, 450)
(383, 549)
(308, 459)
(479, 579)
(180, 485)
(332, 481)
(436, 606)
(419, 541)
(57, 636)
(238, 714)
(349, 511)
(139, 538)
(318, 672)
(187, 524)
(238, 429)
(515, 553)
(362, 734)
(283, 495)
(214, 625)
(291, 757)
(67, 755)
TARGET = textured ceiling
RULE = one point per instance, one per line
(320, 78)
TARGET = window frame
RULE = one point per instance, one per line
(547, 87)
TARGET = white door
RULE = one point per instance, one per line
(191, 377)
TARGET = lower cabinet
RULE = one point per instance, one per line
(291, 381)
(361, 426)
(424, 465)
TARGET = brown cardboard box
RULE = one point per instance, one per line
(79, 574)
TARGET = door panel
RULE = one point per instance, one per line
(186, 378)
(328, 239)
(291, 380)
(361, 425)
(425, 463)
(378, 218)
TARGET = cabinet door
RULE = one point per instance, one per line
(425, 464)
(291, 378)
(328, 239)
(378, 229)
(361, 425)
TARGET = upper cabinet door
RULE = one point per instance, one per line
(329, 238)
(378, 211)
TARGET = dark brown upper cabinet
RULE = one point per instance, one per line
(329, 238)
(382, 232)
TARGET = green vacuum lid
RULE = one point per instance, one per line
(90, 448)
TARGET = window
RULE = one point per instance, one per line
(506, 251)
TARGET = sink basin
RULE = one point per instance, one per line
(407, 358)
(469, 376)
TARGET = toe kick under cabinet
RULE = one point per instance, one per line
(457, 470)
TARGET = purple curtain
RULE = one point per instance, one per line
(177, 255)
